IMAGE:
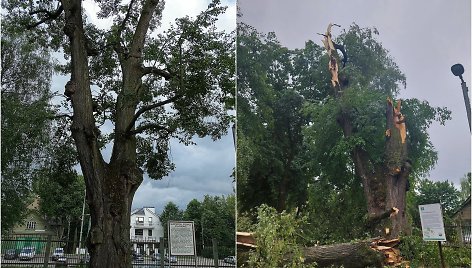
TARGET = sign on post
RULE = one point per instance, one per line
(432, 222)
(182, 238)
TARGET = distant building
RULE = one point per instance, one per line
(34, 223)
(146, 230)
(462, 219)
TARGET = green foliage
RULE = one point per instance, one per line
(442, 192)
(269, 124)
(218, 221)
(25, 116)
(429, 192)
(330, 212)
(465, 187)
(171, 212)
(270, 79)
(426, 254)
(277, 239)
(196, 57)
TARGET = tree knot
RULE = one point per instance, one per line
(70, 89)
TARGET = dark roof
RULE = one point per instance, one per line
(139, 212)
(463, 205)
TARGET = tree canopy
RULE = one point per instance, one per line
(26, 119)
(288, 126)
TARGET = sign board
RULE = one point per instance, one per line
(432, 222)
(182, 238)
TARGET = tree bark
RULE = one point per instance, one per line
(348, 255)
(384, 184)
(110, 186)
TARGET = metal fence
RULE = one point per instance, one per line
(458, 234)
(155, 255)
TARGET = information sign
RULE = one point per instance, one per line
(182, 238)
(432, 222)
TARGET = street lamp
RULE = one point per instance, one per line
(458, 70)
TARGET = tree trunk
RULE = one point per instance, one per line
(384, 184)
(375, 252)
(110, 187)
(348, 255)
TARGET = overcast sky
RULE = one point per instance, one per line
(202, 169)
(425, 38)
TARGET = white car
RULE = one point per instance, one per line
(171, 259)
(230, 259)
(27, 253)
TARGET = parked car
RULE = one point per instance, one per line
(27, 253)
(10, 254)
(84, 258)
(58, 252)
(156, 256)
(230, 259)
(172, 258)
(137, 257)
(61, 260)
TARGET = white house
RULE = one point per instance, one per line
(146, 230)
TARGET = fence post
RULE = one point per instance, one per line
(215, 252)
(46, 254)
(161, 251)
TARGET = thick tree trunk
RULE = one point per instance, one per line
(110, 187)
(348, 255)
(384, 184)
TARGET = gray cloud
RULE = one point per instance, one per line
(202, 169)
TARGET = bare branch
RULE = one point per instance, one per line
(61, 116)
(156, 71)
(49, 16)
(147, 108)
(118, 47)
(128, 14)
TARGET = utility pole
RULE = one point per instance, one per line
(82, 223)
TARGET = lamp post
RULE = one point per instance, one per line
(458, 70)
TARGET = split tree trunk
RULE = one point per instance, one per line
(110, 186)
(384, 184)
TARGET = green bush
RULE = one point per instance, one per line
(426, 254)
(277, 236)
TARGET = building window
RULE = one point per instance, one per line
(150, 220)
(138, 232)
(140, 220)
(31, 225)
(149, 232)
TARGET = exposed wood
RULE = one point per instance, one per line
(375, 252)
(245, 239)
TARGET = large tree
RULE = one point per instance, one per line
(353, 137)
(380, 140)
(146, 87)
(269, 124)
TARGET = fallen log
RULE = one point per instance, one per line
(350, 255)
(376, 252)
